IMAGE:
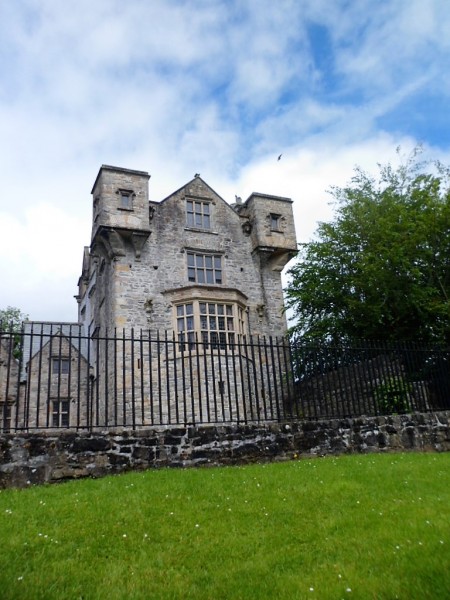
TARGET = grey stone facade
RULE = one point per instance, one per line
(190, 266)
(136, 271)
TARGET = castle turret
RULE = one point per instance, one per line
(271, 226)
(121, 211)
(269, 221)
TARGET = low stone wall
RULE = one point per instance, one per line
(43, 457)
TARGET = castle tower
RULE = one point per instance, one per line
(270, 224)
(121, 227)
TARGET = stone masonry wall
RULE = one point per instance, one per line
(35, 458)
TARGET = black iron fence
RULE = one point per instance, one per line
(59, 377)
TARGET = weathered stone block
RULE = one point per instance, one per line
(94, 444)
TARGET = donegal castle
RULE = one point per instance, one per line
(169, 296)
(168, 265)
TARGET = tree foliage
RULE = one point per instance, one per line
(381, 269)
(11, 318)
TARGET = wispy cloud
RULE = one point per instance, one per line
(219, 87)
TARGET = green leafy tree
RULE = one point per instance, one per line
(11, 318)
(381, 269)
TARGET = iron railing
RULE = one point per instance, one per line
(59, 377)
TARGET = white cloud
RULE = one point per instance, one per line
(219, 87)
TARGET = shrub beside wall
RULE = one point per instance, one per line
(45, 457)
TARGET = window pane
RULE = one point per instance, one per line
(212, 309)
(199, 260)
(230, 325)
(229, 309)
(198, 214)
(191, 260)
(191, 274)
(209, 277)
(221, 321)
(212, 323)
(202, 308)
(220, 309)
(204, 322)
(190, 323)
(180, 310)
(189, 309)
(200, 277)
(209, 262)
(217, 262)
(125, 200)
(274, 222)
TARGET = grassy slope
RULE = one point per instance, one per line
(377, 525)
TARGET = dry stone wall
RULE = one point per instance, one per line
(36, 458)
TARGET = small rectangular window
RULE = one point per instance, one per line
(185, 326)
(204, 268)
(198, 214)
(125, 199)
(274, 222)
(60, 366)
(60, 413)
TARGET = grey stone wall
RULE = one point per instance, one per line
(37, 458)
(44, 386)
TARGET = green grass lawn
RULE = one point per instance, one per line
(362, 526)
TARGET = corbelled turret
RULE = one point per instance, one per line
(121, 211)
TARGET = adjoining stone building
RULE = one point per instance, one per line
(169, 295)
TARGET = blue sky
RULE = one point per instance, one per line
(218, 87)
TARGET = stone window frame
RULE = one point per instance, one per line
(126, 199)
(60, 412)
(60, 365)
(212, 322)
(204, 267)
(275, 222)
(198, 213)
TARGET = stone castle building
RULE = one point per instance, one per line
(169, 296)
(190, 263)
